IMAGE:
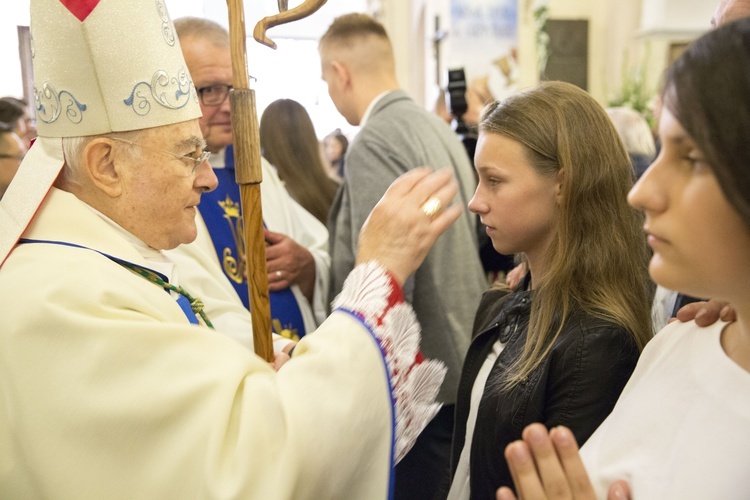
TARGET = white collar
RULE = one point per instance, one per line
(156, 259)
(372, 104)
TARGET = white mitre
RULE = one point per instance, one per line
(100, 66)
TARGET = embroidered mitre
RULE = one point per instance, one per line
(107, 66)
(100, 66)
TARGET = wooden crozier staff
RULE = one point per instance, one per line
(246, 138)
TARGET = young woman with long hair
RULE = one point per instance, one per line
(553, 176)
(680, 428)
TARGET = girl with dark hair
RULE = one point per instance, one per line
(553, 176)
(336, 145)
(680, 428)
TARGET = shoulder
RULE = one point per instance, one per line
(678, 336)
(398, 99)
(396, 112)
(492, 302)
(586, 326)
(590, 339)
(588, 369)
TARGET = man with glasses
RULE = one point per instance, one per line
(12, 152)
(297, 253)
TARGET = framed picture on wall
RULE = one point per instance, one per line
(675, 50)
(27, 71)
(568, 51)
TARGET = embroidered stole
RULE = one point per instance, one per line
(222, 213)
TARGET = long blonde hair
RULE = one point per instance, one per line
(597, 261)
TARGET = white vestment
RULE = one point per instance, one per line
(107, 391)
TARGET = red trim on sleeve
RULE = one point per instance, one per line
(397, 297)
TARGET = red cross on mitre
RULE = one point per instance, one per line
(80, 8)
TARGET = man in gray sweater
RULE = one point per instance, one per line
(397, 135)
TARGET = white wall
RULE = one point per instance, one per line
(15, 13)
(616, 28)
(621, 32)
(684, 16)
(292, 71)
(664, 22)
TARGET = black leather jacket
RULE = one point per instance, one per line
(576, 386)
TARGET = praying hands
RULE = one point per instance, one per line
(547, 465)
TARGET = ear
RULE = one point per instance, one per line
(98, 162)
(342, 73)
(560, 178)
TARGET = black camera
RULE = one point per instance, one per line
(456, 92)
(457, 105)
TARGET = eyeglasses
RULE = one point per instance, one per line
(213, 95)
(197, 162)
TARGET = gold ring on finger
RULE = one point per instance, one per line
(432, 207)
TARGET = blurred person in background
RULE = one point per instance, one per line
(636, 137)
(12, 151)
(396, 136)
(335, 145)
(17, 113)
(288, 141)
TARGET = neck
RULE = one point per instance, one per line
(536, 259)
(371, 89)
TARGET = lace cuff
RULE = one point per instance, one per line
(375, 297)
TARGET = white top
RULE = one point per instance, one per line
(222, 305)
(681, 428)
(460, 488)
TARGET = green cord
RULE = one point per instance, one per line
(195, 304)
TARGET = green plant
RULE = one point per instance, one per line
(635, 92)
(541, 15)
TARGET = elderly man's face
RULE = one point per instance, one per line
(160, 192)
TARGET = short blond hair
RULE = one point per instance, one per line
(361, 41)
(349, 27)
